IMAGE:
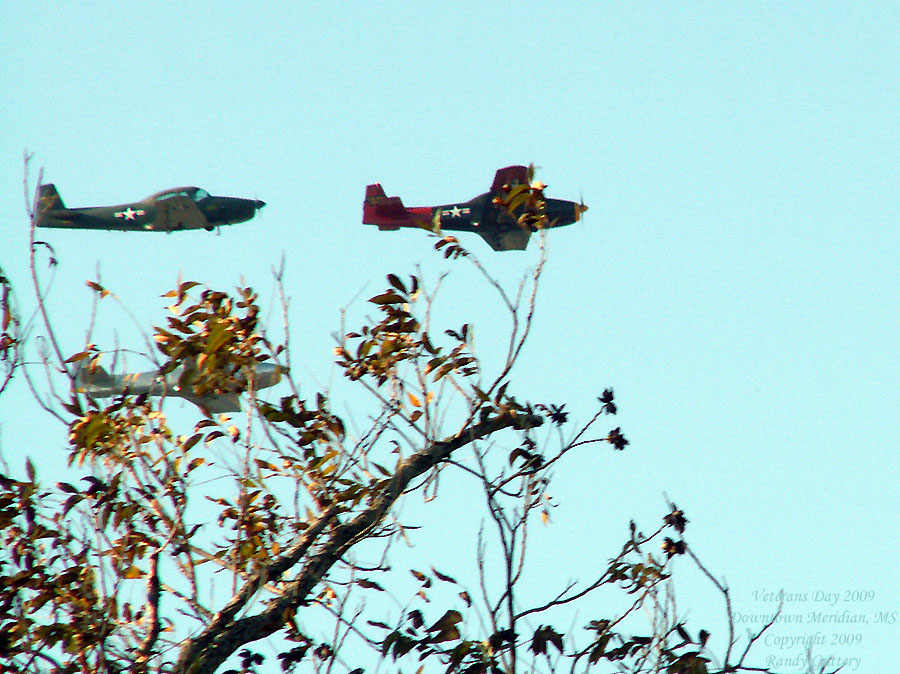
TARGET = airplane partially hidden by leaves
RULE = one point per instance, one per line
(504, 217)
(167, 211)
(92, 379)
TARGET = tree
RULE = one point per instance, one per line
(9, 340)
(123, 571)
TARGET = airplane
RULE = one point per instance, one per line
(485, 215)
(167, 211)
(96, 382)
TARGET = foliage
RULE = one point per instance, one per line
(124, 570)
(9, 333)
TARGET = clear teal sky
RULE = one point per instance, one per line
(736, 279)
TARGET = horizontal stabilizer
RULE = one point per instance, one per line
(391, 207)
(380, 209)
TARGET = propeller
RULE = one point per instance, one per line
(580, 207)
(258, 204)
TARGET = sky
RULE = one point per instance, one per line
(735, 280)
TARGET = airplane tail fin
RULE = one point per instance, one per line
(382, 210)
(374, 192)
(93, 379)
(49, 199)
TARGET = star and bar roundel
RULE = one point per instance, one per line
(456, 211)
(129, 213)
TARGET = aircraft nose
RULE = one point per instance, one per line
(258, 204)
(579, 209)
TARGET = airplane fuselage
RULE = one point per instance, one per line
(168, 211)
(481, 215)
(100, 384)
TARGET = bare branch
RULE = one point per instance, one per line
(203, 654)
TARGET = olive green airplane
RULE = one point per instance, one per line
(98, 383)
(167, 211)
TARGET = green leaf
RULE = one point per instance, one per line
(369, 584)
(132, 572)
(449, 619)
(388, 297)
(396, 282)
(443, 577)
(98, 288)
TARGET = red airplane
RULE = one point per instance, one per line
(481, 215)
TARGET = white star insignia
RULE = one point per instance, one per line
(129, 213)
(456, 211)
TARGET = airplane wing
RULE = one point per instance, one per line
(511, 175)
(218, 404)
(178, 212)
(513, 239)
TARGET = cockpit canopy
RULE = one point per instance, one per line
(193, 193)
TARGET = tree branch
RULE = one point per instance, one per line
(206, 652)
